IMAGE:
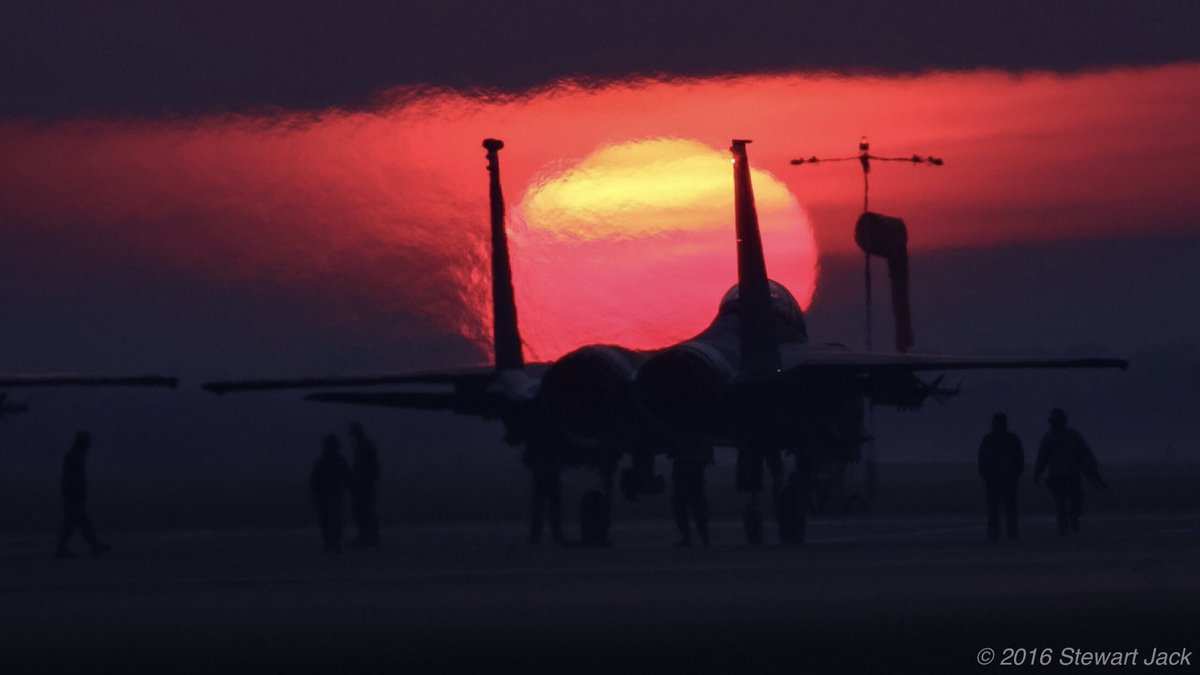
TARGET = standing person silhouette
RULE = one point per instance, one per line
(1065, 457)
(691, 457)
(74, 496)
(328, 487)
(545, 466)
(364, 474)
(1001, 462)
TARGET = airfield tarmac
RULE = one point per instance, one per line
(864, 594)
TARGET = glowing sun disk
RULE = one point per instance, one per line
(634, 245)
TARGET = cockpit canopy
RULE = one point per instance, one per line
(783, 305)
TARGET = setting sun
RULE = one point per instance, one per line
(634, 244)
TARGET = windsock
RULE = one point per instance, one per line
(887, 237)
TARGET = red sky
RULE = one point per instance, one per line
(384, 211)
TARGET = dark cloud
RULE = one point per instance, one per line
(80, 58)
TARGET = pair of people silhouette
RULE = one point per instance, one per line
(1063, 457)
(332, 479)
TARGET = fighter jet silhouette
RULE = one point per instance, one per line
(751, 380)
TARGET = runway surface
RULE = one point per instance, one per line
(865, 594)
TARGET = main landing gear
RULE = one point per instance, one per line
(790, 500)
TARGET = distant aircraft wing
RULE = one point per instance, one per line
(7, 408)
(24, 380)
(466, 377)
(9, 381)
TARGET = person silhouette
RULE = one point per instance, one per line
(691, 457)
(74, 496)
(1001, 462)
(545, 465)
(364, 474)
(328, 487)
(1065, 457)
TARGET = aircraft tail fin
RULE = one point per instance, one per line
(758, 339)
(506, 336)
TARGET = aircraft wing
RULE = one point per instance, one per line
(479, 391)
(389, 399)
(9, 381)
(466, 377)
(847, 362)
(890, 379)
(477, 403)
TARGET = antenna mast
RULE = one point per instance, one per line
(864, 158)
